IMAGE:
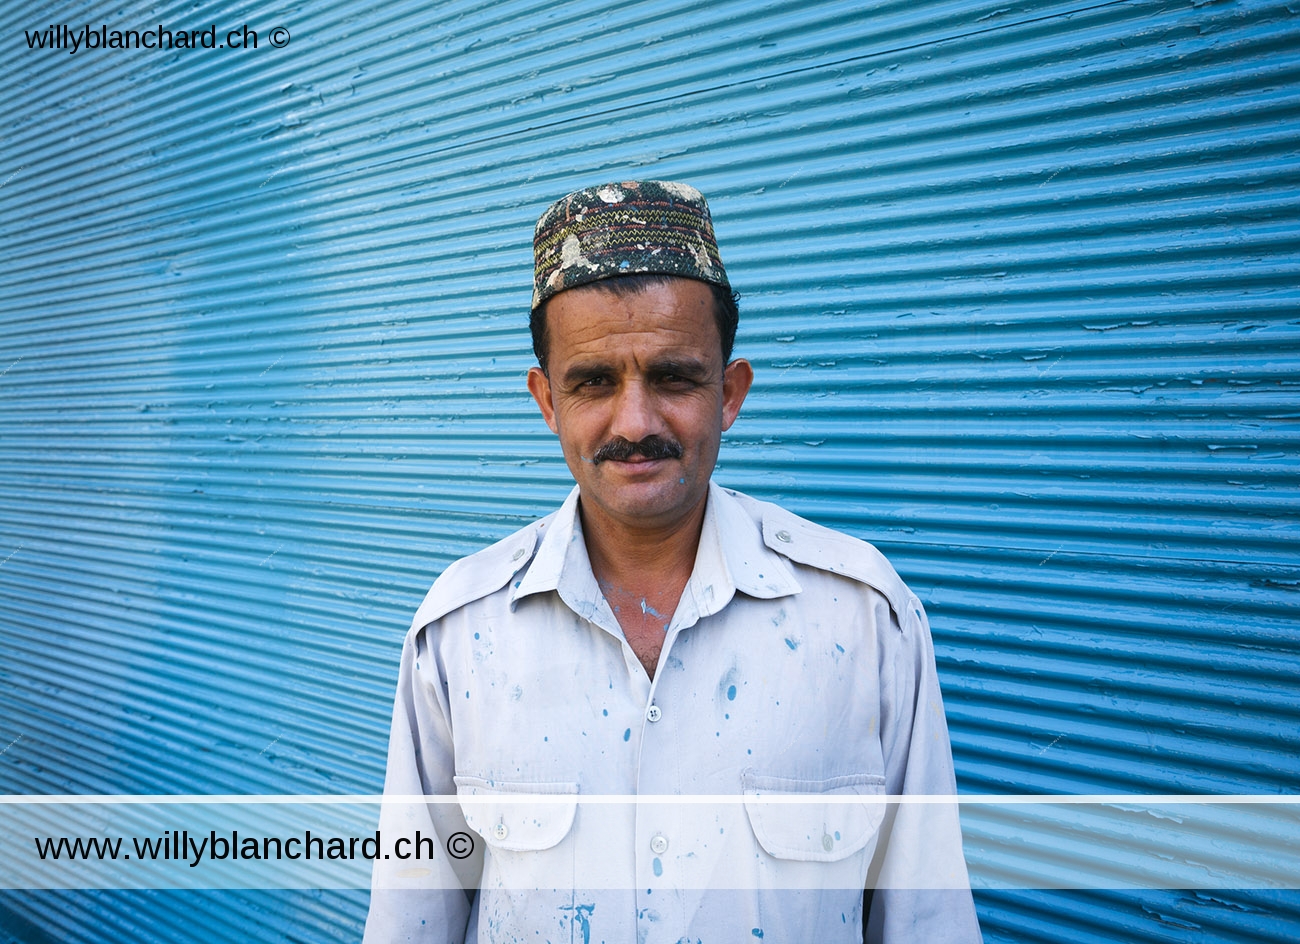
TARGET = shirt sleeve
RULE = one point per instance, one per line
(921, 889)
(419, 894)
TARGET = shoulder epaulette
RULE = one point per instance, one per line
(813, 545)
(481, 573)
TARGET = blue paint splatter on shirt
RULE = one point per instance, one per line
(627, 735)
(582, 915)
(658, 867)
(791, 643)
(731, 693)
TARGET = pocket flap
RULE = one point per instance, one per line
(808, 827)
(518, 817)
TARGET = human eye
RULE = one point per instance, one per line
(591, 383)
(676, 378)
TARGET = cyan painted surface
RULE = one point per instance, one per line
(1020, 288)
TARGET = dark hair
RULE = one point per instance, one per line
(726, 309)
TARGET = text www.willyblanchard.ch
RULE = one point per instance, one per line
(60, 36)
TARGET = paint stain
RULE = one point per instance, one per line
(627, 735)
(582, 916)
(727, 684)
(757, 932)
(658, 867)
(791, 643)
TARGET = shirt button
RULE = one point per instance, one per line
(659, 845)
(827, 842)
(653, 714)
(518, 554)
(500, 830)
(783, 537)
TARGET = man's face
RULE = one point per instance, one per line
(639, 396)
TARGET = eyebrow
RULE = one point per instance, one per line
(687, 367)
(584, 371)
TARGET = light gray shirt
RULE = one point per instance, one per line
(796, 688)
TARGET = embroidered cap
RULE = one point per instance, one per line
(627, 228)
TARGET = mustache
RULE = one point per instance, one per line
(652, 447)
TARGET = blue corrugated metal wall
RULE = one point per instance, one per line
(1020, 287)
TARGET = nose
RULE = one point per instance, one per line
(636, 414)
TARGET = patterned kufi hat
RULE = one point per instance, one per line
(637, 226)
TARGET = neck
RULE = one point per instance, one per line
(628, 555)
(642, 572)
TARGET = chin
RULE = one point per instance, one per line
(657, 502)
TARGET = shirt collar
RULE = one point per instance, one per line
(731, 558)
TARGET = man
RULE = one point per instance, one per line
(666, 640)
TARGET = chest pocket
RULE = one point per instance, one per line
(518, 817)
(814, 820)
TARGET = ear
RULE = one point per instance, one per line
(539, 385)
(735, 385)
